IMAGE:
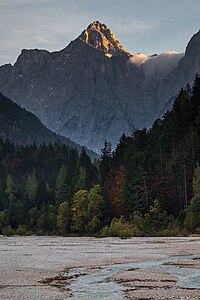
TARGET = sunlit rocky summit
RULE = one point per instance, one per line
(100, 37)
(94, 89)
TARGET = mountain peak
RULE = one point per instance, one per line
(96, 25)
(100, 37)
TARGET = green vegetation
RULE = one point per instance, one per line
(150, 184)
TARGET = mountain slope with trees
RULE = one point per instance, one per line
(22, 127)
(150, 184)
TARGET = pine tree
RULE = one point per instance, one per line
(116, 197)
(63, 218)
(196, 182)
(192, 219)
(95, 210)
(80, 212)
(31, 188)
(81, 179)
(10, 192)
(86, 172)
(105, 162)
(136, 190)
(195, 102)
(17, 214)
(61, 187)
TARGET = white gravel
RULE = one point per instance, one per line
(24, 261)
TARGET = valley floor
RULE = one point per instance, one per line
(41, 267)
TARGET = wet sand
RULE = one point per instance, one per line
(34, 267)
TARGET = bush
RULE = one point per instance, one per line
(22, 231)
(118, 228)
(192, 219)
(171, 229)
(138, 224)
(197, 231)
(8, 231)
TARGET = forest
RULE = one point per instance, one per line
(149, 185)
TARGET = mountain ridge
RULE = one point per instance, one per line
(90, 91)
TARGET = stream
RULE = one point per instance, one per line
(98, 285)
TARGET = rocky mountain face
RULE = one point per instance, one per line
(184, 73)
(91, 91)
(22, 127)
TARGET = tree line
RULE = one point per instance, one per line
(149, 185)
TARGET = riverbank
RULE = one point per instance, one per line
(27, 262)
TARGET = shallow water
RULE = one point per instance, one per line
(97, 285)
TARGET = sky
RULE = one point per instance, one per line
(141, 26)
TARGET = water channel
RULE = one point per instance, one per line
(98, 285)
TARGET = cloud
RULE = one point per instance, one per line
(157, 65)
(138, 59)
(161, 64)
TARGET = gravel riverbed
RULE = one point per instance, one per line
(40, 267)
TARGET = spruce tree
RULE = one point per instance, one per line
(61, 187)
(63, 218)
(31, 188)
(10, 192)
(105, 162)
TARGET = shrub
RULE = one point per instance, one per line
(118, 228)
(138, 224)
(8, 231)
(22, 231)
(192, 219)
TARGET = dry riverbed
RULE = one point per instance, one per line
(42, 267)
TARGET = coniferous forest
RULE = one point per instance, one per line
(149, 185)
